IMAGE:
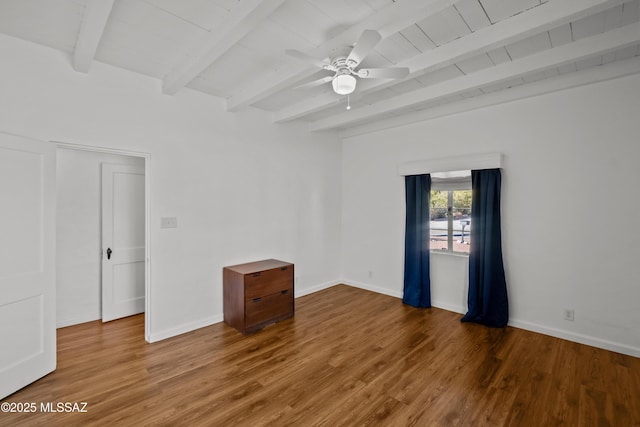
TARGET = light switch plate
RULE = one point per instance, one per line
(169, 222)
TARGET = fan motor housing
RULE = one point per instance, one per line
(342, 65)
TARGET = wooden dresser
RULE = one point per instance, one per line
(257, 294)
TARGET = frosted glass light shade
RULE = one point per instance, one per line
(344, 84)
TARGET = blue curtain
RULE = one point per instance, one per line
(417, 286)
(487, 299)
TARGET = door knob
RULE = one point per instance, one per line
(109, 251)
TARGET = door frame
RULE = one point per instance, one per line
(147, 222)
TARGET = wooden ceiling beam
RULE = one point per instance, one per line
(585, 48)
(542, 18)
(387, 21)
(587, 76)
(241, 20)
(94, 20)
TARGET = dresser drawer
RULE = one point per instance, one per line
(268, 282)
(268, 308)
(263, 276)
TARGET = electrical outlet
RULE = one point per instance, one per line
(568, 314)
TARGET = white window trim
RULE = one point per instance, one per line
(454, 163)
(447, 164)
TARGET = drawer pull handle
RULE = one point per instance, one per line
(283, 268)
(257, 299)
(256, 274)
(285, 291)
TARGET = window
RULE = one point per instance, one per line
(450, 213)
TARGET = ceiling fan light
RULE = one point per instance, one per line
(344, 84)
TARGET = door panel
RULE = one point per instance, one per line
(23, 170)
(128, 206)
(27, 261)
(123, 219)
(128, 281)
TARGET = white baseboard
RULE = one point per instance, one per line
(217, 318)
(313, 289)
(434, 303)
(371, 288)
(529, 326)
(76, 320)
(184, 328)
(574, 337)
(448, 307)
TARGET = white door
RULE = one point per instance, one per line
(27, 261)
(123, 228)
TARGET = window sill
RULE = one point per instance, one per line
(453, 254)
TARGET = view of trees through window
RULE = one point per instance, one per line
(450, 215)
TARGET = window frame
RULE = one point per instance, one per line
(450, 231)
(437, 165)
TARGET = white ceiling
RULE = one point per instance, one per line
(461, 54)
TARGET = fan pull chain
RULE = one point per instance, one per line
(348, 103)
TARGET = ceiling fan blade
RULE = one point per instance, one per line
(367, 42)
(308, 59)
(315, 83)
(383, 73)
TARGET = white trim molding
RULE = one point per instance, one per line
(307, 291)
(454, 163)
(528, 326)
(519, 324)
(184, 328)
(219, 317)
(367, 287)
(147, 218)
(576, 337)
(84, 318)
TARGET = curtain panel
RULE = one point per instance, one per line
(487, 299)
(417, 286)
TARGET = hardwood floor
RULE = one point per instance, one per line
(348, 357)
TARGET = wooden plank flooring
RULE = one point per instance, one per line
(348, 357)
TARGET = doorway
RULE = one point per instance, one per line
(82, 242)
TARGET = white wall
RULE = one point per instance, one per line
(570, 208)
(242, 188)
(78, 231)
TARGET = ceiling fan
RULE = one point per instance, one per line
(344, 66)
